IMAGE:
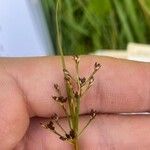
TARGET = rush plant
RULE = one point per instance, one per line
(76, 87)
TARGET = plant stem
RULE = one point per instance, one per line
(85, 126)
(77, 101)
(75, 144)
(73, 102)
(59, 37)
(67, 114)
(72, 118)
(62, 56)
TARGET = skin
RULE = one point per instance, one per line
(121, 86)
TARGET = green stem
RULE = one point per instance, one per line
(59, 125)
(85, 127)
(68, 116)
(59, 36)
(69, 91)
(77, 100)
(75, 144)
(74, 109)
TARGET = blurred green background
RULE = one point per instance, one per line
(89, 25)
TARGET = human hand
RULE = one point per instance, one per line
(26, 87)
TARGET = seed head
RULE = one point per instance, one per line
(67, 78)
(92, 114)
(76, 95)
(63, 138)
(54, 117)
(82, 80)
(56, 86)
(55, 98)
(91, 81)
(97, 66)
(60, 99)
(72, 134)
(68, 136)
(76, 58)
(66, 72)
(50, 126)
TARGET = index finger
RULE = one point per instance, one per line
(120, 85)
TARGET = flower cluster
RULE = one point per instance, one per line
(75, 88)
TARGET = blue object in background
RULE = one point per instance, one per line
(23, 30)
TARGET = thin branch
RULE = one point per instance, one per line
(85, 127)
(60, 126)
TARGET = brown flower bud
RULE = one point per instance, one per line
(76, 95)
(56, 86)
(72, 134)
(76, 58)
(82, 80)
(92, 114)
(60, 99)
(55, 98)
(67, 78)
(68, 136)
(91, 81)
(97, 66)
(66, 72)
(64, 100)
(50, 126)
(63, 138)
(54, 117)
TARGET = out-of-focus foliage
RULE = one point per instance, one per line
(88, 25)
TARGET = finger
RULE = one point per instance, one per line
(118, 132)
(106, 132)
(120, 85)
(14, 118)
